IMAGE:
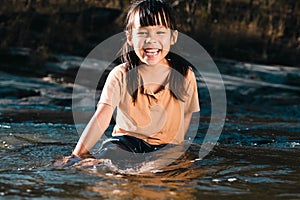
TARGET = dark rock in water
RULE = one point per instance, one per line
(293, 78)
(24, 61)
(48, 86)
(15, 92)
(66, 70)
(262, 90)
(16, 60)
(13, 87)
(36, 115)
(62, 68)
(18, 90)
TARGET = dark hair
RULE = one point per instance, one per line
(151, 13)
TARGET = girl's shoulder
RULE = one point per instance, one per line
(190, 73)
(119, 70)
(116, 73)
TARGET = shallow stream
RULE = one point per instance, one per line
(256, 157)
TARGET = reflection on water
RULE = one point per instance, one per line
(235, 168)
(256, 155)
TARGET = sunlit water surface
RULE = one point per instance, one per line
(256, 157)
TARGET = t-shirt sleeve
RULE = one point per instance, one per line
(111, 92)
(192, 101)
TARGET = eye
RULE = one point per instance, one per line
(142, 33)
(161, 32)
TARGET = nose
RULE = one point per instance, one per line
(150, 38)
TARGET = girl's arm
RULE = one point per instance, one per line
(187, 120)
(94, 129)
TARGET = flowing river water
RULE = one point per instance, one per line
(256, 157)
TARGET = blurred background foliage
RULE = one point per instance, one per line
(262, 31)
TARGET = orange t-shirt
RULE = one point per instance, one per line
(157, 118)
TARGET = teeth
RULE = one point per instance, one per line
(151, 53)
(151, 50)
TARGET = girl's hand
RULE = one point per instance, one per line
(68, 161)
(71, 160)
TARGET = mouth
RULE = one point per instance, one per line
(151, 52)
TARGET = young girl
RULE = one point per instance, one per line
(154, 92)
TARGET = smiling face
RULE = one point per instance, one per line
(151, 43)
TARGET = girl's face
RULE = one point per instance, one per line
(151, 43)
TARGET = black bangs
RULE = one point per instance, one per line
(152, 13)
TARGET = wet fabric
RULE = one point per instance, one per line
(113, 148)
(131, 144)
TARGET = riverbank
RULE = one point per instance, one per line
(256, 32)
